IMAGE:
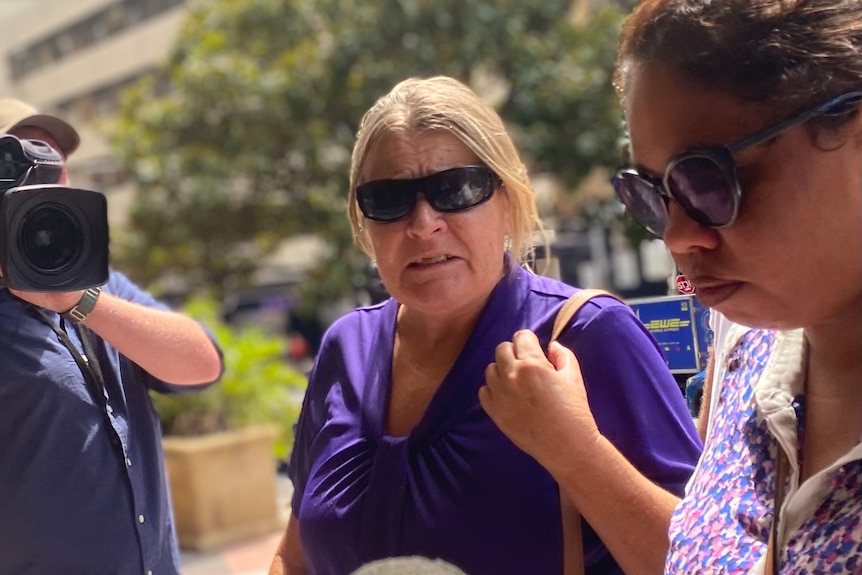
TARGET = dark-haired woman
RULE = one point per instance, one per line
(746, 138)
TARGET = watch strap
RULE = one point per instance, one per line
(84, 306)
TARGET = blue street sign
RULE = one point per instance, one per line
(680, 325)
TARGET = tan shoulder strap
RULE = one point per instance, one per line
(573, 545)
(573, 542)
(571, 307)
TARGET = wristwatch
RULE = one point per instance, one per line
(84, 306)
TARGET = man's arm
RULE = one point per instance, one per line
(168, 345)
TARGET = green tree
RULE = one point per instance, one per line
(244, 137)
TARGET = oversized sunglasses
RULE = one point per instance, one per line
(703, 181)
(452, 190)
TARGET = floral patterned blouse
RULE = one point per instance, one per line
(723, 523)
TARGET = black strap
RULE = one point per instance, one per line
(773, 553)
(88, 363)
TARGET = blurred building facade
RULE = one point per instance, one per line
(72, 59)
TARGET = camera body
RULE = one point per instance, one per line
(53, 238)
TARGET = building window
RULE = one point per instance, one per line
(114, 19)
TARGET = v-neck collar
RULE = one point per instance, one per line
(459, 389)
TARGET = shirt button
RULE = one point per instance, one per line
(128, 462)
(149, 573)
(140, 518)
(109, 409)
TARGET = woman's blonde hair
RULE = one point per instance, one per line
(420, 105)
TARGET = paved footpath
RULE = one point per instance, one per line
(249, 557)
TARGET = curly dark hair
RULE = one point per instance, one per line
(787, 54)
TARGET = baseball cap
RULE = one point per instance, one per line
(16, 114)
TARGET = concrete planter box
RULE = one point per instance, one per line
(222, 486)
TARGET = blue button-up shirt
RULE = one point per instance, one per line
(75, 496)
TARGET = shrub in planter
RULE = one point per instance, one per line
(219, 447)
(259, 386)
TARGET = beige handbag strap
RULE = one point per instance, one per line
(571, 307)
(573, 544)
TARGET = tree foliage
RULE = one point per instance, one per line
(244, 137)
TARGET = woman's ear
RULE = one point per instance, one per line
(510, 223)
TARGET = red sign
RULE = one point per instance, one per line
(683, 285)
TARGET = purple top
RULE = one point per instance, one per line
(456, 488)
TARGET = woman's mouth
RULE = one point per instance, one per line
(711, 294)
(431, 261)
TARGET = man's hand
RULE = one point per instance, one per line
(539, 402)
(60, 302)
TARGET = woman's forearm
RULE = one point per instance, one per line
(630, 513)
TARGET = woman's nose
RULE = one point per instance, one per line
(684, 235)
(425, 220)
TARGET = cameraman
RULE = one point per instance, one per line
(82, 480)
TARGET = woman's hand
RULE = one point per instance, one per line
(539, 402)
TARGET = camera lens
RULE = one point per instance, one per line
(51, 238)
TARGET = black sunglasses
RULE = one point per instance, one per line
(703, 181)
(453, 190)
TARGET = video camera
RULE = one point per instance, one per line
(52, 238)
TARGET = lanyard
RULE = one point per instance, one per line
(88, 363)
